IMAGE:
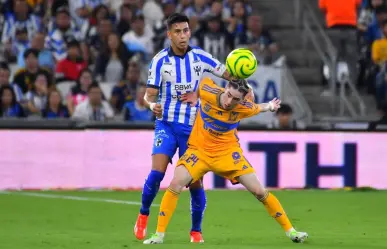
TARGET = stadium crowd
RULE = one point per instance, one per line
(88, 60)
(358, 30)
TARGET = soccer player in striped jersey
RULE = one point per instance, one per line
(174, 73)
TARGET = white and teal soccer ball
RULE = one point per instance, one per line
(241, 63)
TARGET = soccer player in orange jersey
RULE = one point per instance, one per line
(213, 146)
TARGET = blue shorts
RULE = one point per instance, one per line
(170, 136)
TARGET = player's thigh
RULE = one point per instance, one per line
(164, 146)
(252, 184)
(181, 178)
(231, 165)
(195, 163)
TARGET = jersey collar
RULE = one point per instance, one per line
(171, 53)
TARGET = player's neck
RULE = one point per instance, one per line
(179, 52)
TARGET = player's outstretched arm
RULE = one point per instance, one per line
(150, 98)
(272, 106)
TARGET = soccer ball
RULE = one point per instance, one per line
(241, 63)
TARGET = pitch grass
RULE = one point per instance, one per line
(233, 219)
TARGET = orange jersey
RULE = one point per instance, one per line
(215, 129)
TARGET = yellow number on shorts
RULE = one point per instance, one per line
(192, 159)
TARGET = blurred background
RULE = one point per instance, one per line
(325, 59)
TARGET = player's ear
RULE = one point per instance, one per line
(169, 34)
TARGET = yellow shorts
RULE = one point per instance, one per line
(230, 165)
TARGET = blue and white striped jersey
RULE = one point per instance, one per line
(56, 41)
(32, 24)
(175, 75)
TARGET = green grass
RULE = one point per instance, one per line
(233, 220)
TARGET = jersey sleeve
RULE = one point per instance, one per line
(248, 109)
(154, 75)
(211, 64)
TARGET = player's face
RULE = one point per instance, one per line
(179, 34)
(230, 98)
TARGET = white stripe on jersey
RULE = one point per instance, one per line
(175, 75)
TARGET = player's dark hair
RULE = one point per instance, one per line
(241, 85)
(176, 18)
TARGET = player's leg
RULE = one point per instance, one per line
(189, 169)
(164, 147)
(272, 205)
(168, 205)
(198, 206)
(198, 195)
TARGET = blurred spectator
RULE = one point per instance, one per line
(69, 68)
(78, 93)
(238, 20)
(341, 20)
(135, 110)
(4, 81)
(19, 45)
(382, 108)
(45, 58)
(94, 108)
(9, 107)
(367, 14)
(62, 33)
(20, 19)
(217, 8)
(55, 107)
(215, 39)
(25, 77)
(98, 41)
(139, 41)
(152, 11)
(183, 5)
(198, 10)
(126, 90)
(367, 24)
(374, 31)
(126, 14)
(37, 7)
(36, 98)
(285, 119)
(81, 9)
(258, 40)
(89, 27)
(112, 62)
(379, 57)
(160, 28)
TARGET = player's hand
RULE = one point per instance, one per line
(190, 97)
(156, 109)
(274, 105)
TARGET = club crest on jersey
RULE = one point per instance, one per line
(233, 116)
(197, 70)
(207, 107)
(236, 155)
(158, 142)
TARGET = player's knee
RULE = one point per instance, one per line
(160, 162)
(176, 185)
(260, 193)
(196, 185)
